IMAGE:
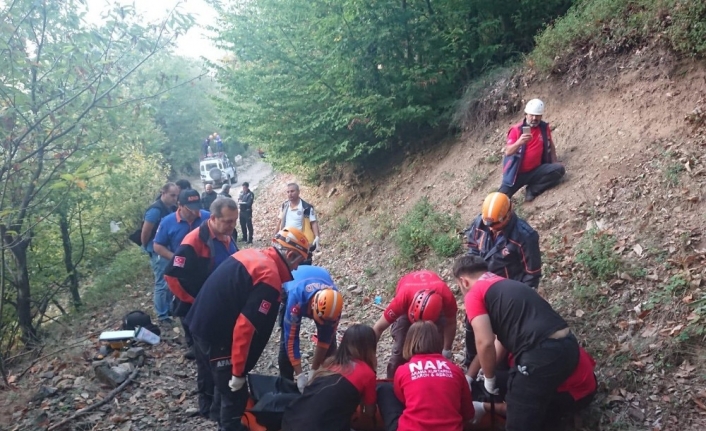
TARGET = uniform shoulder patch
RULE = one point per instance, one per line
(179, 261)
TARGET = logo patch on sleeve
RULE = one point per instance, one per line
(179, 261)
(264, 307)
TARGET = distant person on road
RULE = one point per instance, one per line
(245, 200)
(208, 196)
(235, 312)
(171, 232)
(183, 184)
(420, 296)
(509, 246)
(300, 214)
(219, 144)
(156, 212)
(201, 251)
(312, 295)
(530, 156)
(205, 146)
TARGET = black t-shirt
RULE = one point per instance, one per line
(520, 317)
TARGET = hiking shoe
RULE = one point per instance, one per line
(190, 354)
(248, 242)
(529, 197)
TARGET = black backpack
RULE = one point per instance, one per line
(141, 319)
(136, 236)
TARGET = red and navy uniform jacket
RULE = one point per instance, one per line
(412, 283)
(197, 257)
(513, 253)
(329, 401)
(238, 305)
(307, 281)
(520, 318)
(529, 156)
(435, 394)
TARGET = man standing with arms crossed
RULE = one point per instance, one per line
(296, 212)
(245, 200)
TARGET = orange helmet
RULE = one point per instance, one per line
(496, 210)
(426, 305)
(292, 239)
(326, 305)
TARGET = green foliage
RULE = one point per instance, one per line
(618, 25)
(595, 253)
(128, 267)
(322, 82)
(423, 229)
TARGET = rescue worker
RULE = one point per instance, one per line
(545, 351)
(420, 296)
(312, 294)
(233, 316)
(508, 244)
(530, 155)
(201, 251)
(245, 199)
(301, 214)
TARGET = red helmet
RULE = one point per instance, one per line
(426, 305)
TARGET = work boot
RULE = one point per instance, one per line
(190, 354)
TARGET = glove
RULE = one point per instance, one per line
(448, 354)
(489, 383)
(236, 383)
(302, 380)
(479, 412)
(315, 244)
(469, 380)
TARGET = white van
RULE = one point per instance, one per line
(217, 170)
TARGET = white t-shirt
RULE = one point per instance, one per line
(295, 218)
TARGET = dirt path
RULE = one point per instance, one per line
(254, 170)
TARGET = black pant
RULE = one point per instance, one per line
(187, 333)
(471, 351)
(390, 407)
(538, 180)
(209, 398)
(529, 393)
(246, 225)
(232, 404)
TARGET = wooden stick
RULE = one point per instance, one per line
(379, 307)
(105, 400)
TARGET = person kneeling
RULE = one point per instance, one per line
(338, 387)
(433, 391)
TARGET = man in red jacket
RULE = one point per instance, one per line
(233, 315)
(530, 155)
(420, 296)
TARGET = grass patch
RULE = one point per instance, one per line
(129, 267)
(615, 26)
(424, 229)
(342, 223)
(595, 253)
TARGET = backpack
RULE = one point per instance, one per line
(139, 318)
(136, 236)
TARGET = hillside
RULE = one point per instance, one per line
(622, 244)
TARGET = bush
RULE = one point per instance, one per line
(130, 266)
(616, 25)
(423, 229)
(595, 253)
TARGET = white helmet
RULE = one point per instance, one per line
(534, 107)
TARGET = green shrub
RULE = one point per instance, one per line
(595, 253)
(423, 229)
(130, 266)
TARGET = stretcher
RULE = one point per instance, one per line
(281, 391)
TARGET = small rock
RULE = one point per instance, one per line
(47, 375)
(192, 411)
(112, 376)
(80, 381)
(136, 352)
(44, 392)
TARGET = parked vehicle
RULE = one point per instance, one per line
(217, 170)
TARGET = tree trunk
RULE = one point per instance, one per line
(68, 259)
(18, 248)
